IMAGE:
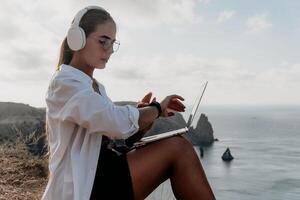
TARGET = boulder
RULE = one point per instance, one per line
(202, 134)
(201, 151)
(227, 155)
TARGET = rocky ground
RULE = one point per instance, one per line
(23, 176)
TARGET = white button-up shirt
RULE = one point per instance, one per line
(77, 118)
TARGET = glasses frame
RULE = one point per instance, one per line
(107, 43)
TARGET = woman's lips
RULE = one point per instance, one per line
(104, 59)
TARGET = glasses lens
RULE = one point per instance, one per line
(107, 44)
(116, 45)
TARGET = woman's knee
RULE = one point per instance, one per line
(179, 145)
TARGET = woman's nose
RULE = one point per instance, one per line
(110, 50)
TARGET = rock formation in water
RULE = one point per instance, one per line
(203, 133)
(227, 155)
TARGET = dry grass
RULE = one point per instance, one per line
(23, 176)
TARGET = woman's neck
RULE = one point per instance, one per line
(82, 67)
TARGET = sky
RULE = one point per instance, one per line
(248, 50)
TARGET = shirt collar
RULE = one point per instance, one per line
(76, 73)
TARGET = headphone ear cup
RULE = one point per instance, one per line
(76, 38)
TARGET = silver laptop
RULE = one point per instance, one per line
(159, 136)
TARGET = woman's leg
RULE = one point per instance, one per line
(173, 158)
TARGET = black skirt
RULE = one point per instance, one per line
(112, 179)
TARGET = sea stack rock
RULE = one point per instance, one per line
(227, 155)
(202, 135)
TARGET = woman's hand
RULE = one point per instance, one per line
(146, 100)
(171, 104)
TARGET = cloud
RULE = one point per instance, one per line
(17, 77)
(29, 40)
(150, 14)
(287, 75)
(227, 76)
(35, 29)
(205, 2)
(258, 23)
(225, 16)
(181, 67)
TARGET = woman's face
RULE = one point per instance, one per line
(95, 53)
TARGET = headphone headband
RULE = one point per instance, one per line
(81, 13)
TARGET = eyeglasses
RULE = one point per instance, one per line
(108, 43)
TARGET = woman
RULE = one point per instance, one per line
(82, 121)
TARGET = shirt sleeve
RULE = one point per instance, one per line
(99, 115)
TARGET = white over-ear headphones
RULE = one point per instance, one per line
(76, 36)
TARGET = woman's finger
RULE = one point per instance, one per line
(147, 98)
(177, 102)
(176, 105)
(177, 97)
(176, 108)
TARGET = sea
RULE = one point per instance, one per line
(265, 144)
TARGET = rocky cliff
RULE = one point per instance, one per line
(16, 117)
(21, 121)
(203, 133)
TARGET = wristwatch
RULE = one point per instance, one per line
(157, 105)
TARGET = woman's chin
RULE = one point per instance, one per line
(100, 66)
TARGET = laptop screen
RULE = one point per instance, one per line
(196, 105)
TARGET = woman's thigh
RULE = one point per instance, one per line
(152, 164)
